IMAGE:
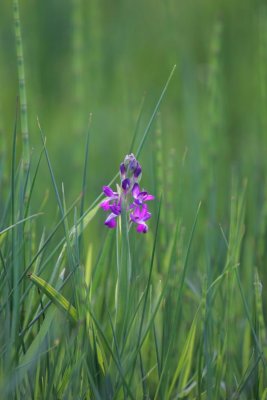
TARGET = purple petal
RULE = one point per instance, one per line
(122, 169)
(111, 221)
(108, 191)
(138, 170)
(146, 216)
(145, 196)
(135, 190)
(142, 228)
(140, 214)
(143, 211)
(141, 198)
(143, 193)
(105, 204)
(137, 212)
(149, 197)
(132, 162)
(116, 209)
(126, 183)
(135, 216)
(138, 201)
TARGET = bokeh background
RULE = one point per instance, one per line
(104, 58)
(105, 61)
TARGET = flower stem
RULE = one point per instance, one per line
(124, 276)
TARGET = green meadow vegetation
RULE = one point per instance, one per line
(88, 312)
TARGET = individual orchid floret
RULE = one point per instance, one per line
(111, 198)
(129, 198)
(122, 171)
(140, 197)
(126, 184)
(111, 221)
(139, 216)
(137, 171)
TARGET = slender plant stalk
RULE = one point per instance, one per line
(25, 165)
(169, 186)
(22, 89)
(124, 276)
(160, 171)
(2, 149)
(77, 64)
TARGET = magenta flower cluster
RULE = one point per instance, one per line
(128, 195)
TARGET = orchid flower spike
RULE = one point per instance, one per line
(130, 194)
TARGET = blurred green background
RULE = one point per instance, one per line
(103, 57)
(106, 61)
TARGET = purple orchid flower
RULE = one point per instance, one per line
(137, 171)
(126, 184)
(111, 221)
(140, 197)
(139, 216)
(110, 199)
(111, 203)
(122, 170)
(128, 196)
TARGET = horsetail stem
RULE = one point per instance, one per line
(159, 158)
(22, 89)
(262, 18)
(2, 146)
(160, 170)
(169, 185)
(77, 62)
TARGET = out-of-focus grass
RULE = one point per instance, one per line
(83, 58)
(195, 323)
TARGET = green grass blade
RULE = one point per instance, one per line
(142, 142)
(57, 298)
(4, 231)
(178, 303)
(185, 359)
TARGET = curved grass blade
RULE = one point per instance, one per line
(57, 298)
(64, 305)
(185, 360)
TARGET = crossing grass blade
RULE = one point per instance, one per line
(144, 137)
(185, 360)
(4, 231)
(178, 305)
